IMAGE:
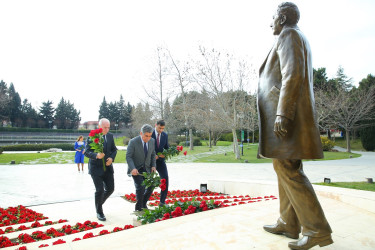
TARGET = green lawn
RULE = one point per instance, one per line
(250, 153)
(355, 145)
(353, 185)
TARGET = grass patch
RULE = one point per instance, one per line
(250, 154)
(119, 141)
(355, 145)
(219, 143)
(353, 185)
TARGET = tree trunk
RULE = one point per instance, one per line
(253, 136)
(191, 139)
(236, 149)
(209, 138)
(348, 141)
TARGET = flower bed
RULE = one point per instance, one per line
(34, 225)
(18, 215)
(189, 202)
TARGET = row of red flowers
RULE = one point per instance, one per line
(18, 215)
(53, 233)
(33, 225)
(178, 209)
(240, 199)
(173, 194)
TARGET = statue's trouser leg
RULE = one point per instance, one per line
(299, 204)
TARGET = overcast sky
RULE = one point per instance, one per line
(84, 50)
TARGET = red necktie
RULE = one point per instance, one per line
(157, 140)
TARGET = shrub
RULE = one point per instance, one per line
(327, 143)
(368, 138)
(38, 147)
(227, 137)
(196, 142)
(126, 140)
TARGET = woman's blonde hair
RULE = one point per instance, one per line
(79, 137)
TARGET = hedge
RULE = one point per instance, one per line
(46, 130)
(368, 138)
(37, 147)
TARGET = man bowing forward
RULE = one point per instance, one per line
(140, 156)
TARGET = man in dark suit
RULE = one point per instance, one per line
(103, 180)
(140, 156)
(288, 130)
(161, 143)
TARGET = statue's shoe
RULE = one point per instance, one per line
(308, 242)
(279, 229)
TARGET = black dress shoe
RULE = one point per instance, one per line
(101, 217)
(308, 242)
(280, 229)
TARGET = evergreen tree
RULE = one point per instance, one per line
(14, 106)
(103, 109)
(343, 80)
(320, 78)
(4, 101)
(113, 114)
(46, 115)
(28, 114)
(66, 117)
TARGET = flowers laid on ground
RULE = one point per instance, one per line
(18, 215)
(97, 141)
(177, 209)
(153, 180)
(189, 202)
(172, 151)
(29, 215)
(34, 225)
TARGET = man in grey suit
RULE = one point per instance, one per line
(288, 130)
(140, 156)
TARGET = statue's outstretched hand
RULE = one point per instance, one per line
(281, 125)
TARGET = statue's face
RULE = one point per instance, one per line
(276, 24)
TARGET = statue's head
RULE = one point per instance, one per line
(290, 11)
(287, 14)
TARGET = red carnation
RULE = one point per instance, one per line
(96, 140)
(92, 133)
(163, 181)
(100, 130)
(185, 153)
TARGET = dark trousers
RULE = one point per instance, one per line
(161, 167)
(104, 186)
(299, 205)
(142, 193)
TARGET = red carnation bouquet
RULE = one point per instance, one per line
(97, 141)
(172, 151)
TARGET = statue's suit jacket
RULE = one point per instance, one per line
(135, 156)
(286, 89)
(96, 165)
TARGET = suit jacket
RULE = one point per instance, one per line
(286, 89)
(96, 165)
(162, 145)
(135, 156)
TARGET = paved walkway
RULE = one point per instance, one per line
(60, 192)
(45, 183)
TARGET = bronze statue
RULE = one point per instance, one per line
(289, 131)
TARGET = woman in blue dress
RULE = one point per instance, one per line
(79, 147)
